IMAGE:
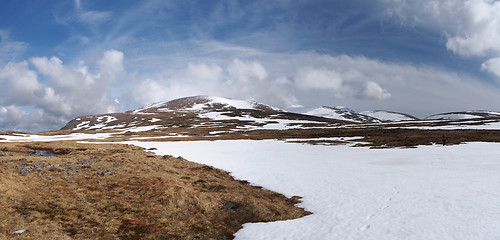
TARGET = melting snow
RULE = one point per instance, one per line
(431, 192)
(40, 138)
(387, 116)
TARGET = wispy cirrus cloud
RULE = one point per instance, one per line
(10, 49)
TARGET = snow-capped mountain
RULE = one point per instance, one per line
(204, 114)
(342, 113)
(204, 104)
(198, 112)
(465, 115)
(389, 116)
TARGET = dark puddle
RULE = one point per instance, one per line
(41, 153)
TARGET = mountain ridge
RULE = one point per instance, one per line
(210, 110)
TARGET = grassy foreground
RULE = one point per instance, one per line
(103, 191)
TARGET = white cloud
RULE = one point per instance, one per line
(19, 84)
(239, 79)
(15, 118)
(9, 49)
(313, 78)
(66, 93)
(492, 66)
(110, 67)
(373, 91)
(246, 72)
(94, 17)
(281, 80)
(82, 16)
(479, 32)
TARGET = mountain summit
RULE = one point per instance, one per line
(204, 104)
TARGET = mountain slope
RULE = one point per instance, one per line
(342, 113)
(465, 115)
(389, 116)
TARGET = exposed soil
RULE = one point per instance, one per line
(102, 191)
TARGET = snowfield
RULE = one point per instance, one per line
(431, 192)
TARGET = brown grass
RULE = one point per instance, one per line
(121, 192)
(373, 136)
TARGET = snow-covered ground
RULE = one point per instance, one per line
(431, 192)
(41, 138)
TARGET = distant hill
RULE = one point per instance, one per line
(389, 116)
(466, 115)
(342, 113)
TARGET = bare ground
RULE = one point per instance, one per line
(103, 191)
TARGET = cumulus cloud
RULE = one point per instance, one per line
(238, 79)
(492, 66)
(479, 32)
(19, 84)
(305, 74)
(372, 90)
(67, 92)
(313, 78)
(15, 118)
(246, 72)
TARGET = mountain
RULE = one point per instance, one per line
(202, 112)
(389, 116)
(465, 115)
(208, 116)
(342, 113)
(204, 104)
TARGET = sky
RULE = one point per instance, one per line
(64, 59)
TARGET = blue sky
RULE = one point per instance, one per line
(63, 59)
